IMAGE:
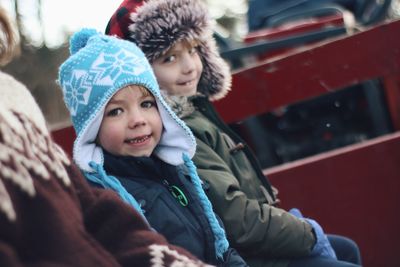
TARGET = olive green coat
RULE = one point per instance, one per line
(242, 196)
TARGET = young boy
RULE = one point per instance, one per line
(129, 140)
(49, 215)
(176, 37)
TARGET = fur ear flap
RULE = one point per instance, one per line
(216, 78)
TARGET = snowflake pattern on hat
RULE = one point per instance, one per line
(113, 65)
(76, 92)
(104, 71)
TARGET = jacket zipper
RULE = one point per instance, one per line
(177, 193)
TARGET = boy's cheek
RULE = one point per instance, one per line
(107, 134)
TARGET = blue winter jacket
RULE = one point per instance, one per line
(182, 221)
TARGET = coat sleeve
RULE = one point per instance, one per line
(10, 258)
(252, 226)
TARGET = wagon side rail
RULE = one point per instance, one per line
(355, 190)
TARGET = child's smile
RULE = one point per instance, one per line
(131, 124)
(138, 140)
(191, 82)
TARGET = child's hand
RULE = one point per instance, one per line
(296, 212)
(322, 246)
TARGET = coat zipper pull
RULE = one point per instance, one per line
(177, 193)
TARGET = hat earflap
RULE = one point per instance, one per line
(215, 81)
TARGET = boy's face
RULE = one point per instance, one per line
(179, 70)
(131, 124)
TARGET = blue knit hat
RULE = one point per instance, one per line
(98, 67)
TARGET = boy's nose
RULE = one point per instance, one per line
(188, 64)
(136, 120)
(134, 124)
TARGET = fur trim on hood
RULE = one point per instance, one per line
(157, 25)
(180, 105)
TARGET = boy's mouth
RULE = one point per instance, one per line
(187, 82)
(138, 140)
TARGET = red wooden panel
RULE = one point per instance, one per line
(392, 90)
(298, 27)
(354, 191)
(318, 70)
(65, 137)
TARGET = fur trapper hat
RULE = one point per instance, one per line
(156, 25)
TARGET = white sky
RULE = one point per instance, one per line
(61, 16)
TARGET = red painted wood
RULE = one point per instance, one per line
(324, 68)
(299, 27)
(392, 90)
(65, 137)
(354, 191)
(296, 28)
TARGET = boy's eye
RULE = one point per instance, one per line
(114, 112)
(193, 50)
(170, 58)
(149, 104)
